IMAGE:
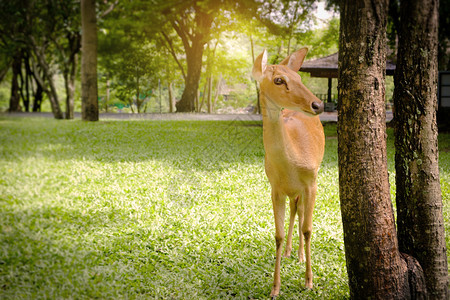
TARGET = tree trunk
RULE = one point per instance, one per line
(194, 68)
(375, 266)
(21, 83)
(258, 104)
(108, 84)
(217, 92)
(69, 82)
(418, 196)
(138, 93)
(70, 74)
(53, 96)
(37, 98)
(194, 39)
(171, 108)
(48, 76)
(28, 82)
(197, 99)
(89, 91)
(26, 100)
(209, 98)
(14, 100)
(205, 86)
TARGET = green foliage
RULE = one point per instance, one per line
(142, 25)
(5, 93)
(158, 210)
(323, 41)
(138, 45)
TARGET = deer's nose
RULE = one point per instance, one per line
(317, 107)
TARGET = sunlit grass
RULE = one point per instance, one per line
(158, 210)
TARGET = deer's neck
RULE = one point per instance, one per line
(274, 134)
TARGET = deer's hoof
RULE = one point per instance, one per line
(275, 292)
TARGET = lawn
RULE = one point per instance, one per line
(157, 210)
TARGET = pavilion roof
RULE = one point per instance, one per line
(328, 66)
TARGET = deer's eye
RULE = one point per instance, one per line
(279, 81)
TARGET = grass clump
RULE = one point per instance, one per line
(155, 210)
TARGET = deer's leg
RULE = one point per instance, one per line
(293, 212)
(301, 214)
(310, 198)
(279, 208)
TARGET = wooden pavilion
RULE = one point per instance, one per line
(327, 67)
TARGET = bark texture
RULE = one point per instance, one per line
(89, 91)
(375, 267)
(419, 203)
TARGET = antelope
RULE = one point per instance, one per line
(294, 144)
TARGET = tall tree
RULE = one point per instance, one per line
(89, 91)
(27, 28)
(418, 196)
(192, 21)
(41, 29)
(67, 15)
(375, 266)
(12, 25)
(46, 80)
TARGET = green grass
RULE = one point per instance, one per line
(156, 210)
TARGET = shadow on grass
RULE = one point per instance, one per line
(184, 144)
(54, 252)
(202, 144)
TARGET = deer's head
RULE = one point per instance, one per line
(282, 85)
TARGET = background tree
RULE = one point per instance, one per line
(12, 49)
(28, 29)
(134, 70)
(418, 193)
(41, 36)
(375, 267)
(133, 56)
(68, 42)
(292, 14)
(41, 32)
(89, 91)
(192, 21)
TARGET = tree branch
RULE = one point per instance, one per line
(172, 51)
(37, 76)
(109, 9)
(180, 29)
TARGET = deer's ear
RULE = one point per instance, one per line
(295, 60)
(260, 66)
